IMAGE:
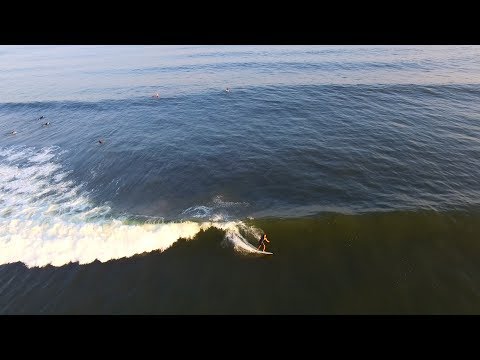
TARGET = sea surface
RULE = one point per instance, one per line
(132, 182)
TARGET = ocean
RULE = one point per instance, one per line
(133, 182)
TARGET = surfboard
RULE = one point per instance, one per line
(265, 253)
(256, 251)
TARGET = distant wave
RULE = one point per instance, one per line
(275, 65)
(410, 86)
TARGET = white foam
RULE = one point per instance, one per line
(220, 202)
(215, 210)
(44, 156)
(234, 234)
(59, 243)
(198, 211)
(47, 219)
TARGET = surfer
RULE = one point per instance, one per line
(262, 242)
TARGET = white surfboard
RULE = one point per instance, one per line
(264, 252)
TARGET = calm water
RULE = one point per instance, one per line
(362, 164)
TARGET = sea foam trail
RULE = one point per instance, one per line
(37, 244)
(46, 219)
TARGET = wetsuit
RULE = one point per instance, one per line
(261, 241)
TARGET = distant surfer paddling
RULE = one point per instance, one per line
(262, 242)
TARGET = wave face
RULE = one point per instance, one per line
(376, 263)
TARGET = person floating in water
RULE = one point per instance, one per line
(262, 242)
(100, 141)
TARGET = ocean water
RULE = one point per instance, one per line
(361, 163)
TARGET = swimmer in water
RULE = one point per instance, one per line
(13, 132)
(156, 95)
(100, 141)
(227, 90)
(46, 124)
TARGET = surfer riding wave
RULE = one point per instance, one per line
(261, 242)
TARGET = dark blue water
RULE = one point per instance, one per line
(304, 131)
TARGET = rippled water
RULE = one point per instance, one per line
(384, 138)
